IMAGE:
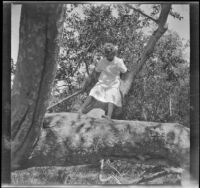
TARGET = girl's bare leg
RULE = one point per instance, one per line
(110, 110)
(87, 101)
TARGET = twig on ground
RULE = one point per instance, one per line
(117, 180)
(166, 171)
(101, 179)
(108, 162)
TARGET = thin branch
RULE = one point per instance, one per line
(145, 15)
(62, 85)
(149, 178)
(116, 179)
(87, 69)
(166, 171)
(108, 162)
(67, 98)
(101, 179)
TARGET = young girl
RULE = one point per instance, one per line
(107, 88)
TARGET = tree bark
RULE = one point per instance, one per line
(40, 26)
(68, 139)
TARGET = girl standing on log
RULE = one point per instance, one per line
(107, 89)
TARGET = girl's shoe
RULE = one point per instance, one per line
(107, 118)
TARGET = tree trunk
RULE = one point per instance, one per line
(68, 139)
(35, 71)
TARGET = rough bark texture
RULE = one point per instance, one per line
(36, 66)
(68, 139)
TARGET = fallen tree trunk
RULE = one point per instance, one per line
(68, 139)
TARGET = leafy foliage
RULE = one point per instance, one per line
(175, 15)
(160, 85)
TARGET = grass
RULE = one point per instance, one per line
(122, 172)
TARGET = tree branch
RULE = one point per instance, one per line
(87, 69)
(162, 20)
(147, 51)
(67, 98)
(145, 15)
(158, 174)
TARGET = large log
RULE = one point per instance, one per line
(68, 139)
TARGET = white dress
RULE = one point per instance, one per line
(107, 88)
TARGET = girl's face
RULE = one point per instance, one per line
(110, 56)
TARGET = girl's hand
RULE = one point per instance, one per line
(95, 60)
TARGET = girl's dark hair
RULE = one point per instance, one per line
(110, 48)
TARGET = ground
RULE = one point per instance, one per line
(114, 172)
